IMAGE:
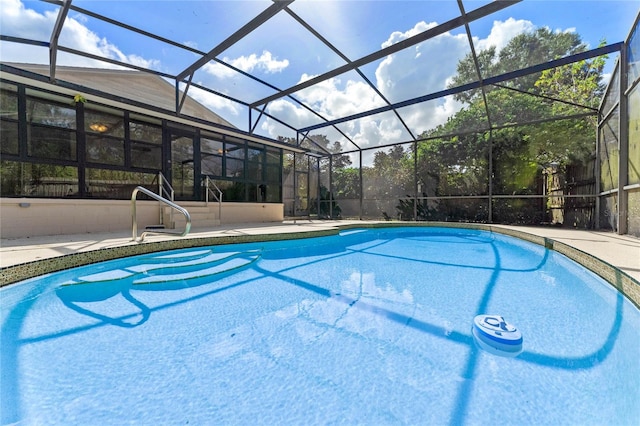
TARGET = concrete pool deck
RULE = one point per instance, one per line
(620, 251)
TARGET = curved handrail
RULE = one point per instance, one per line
(218, 197)
(134, 220)
(165, 190)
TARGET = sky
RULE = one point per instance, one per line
(282, 53)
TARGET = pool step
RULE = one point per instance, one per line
(153, 227)
(202, 216)
(176, 267)
(173, 274)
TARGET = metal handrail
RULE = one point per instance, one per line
(218, 197)
(174, 206)
(167, 193)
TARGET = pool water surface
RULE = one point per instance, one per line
(366, 327)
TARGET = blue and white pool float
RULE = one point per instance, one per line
(493, 334)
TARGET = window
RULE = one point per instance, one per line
(9, 117)
(231, 191)
(273, 161)
(235, 157)
(146, 145)
(116, 184)
(105, 134)
(146, 156)
(50, 113)
(51, 130)
(255, 162)
(212, 152)
(51, 143)
(148, 132)
(20, 179)
(52, 146)
(104, 122)
(9, 137)
(105, 150)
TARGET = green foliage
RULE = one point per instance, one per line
(453, 166)
(580, 82)
(390, 176)
(29, 179)
(347, 182)
(459, 165)
(461, 210)
(523, 51)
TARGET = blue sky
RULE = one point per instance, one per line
(282, 53)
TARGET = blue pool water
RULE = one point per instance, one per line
(368, 327)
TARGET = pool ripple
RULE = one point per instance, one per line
(373, 330)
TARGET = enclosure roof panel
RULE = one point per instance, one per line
(283, 67)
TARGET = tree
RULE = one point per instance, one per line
(579, 83)
(340, 161)
(522, 51)
(346, 183)
(459, 165)
(391, 173)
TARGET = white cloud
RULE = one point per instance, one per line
(423, 68)
(266, 63)
(296, 116)
(420, 70)
(16, 19)
(192, 44)
(334, 99)
(502, 32)
(218, 70)
(231, 110)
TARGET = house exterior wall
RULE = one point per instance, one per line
(30, 217)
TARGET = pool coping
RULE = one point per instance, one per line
(620, 280)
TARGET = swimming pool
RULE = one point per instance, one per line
(368, 327)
